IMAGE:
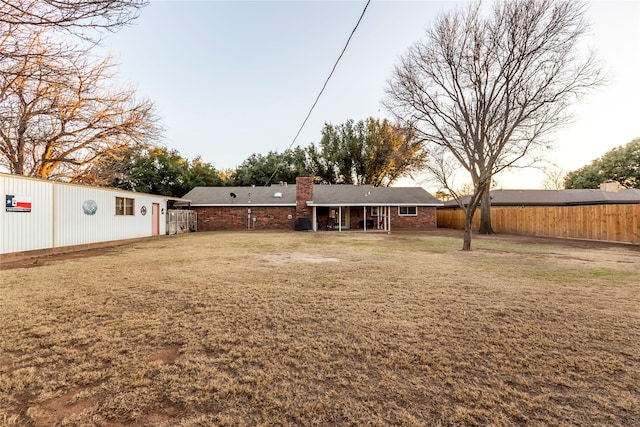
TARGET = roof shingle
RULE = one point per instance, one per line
(323, 195)
(557, 197)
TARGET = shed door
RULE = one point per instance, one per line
(155, 219)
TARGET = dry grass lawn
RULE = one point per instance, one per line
(288, 329)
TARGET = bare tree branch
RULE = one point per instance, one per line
(74, 16)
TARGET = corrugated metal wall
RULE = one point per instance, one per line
(57, 217)
(74, 227)
(25, 231)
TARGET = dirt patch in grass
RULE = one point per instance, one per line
(250, 329)
(29, 260)
(66, 406)
(286, 258)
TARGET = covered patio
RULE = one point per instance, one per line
(350, 217)
(367, 208)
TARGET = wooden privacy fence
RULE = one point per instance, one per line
(617, 223)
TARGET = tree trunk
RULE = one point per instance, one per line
(468, 222)
(485, 214)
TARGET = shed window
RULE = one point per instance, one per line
(124, 206)
(407, 210)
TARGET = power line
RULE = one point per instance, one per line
(323, 86)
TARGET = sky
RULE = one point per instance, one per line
(234, 78)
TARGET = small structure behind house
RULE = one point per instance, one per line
(42, 215)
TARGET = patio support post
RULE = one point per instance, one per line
(339, 218)
(384, 218)
(315, 219)
(365, 218)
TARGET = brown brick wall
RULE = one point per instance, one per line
(277, 218)
(214, 218)
(426, 219)
(304, 193)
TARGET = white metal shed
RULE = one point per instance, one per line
(41, 214)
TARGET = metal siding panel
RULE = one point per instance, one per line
(59, 205)
(26, 231)
(163, 216)
(75, 227)
(140, 225)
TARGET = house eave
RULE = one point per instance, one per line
(241, 205)
(356, 204)
(552, 204)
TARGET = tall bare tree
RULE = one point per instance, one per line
(59, 110)
(59, 114)
(489, 86)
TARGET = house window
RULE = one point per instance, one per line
(124, 206)
(407, 210)
(374, 211)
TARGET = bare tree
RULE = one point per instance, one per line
(59, 109)
(85, 19)
(71, 15)
(490, 87)
(60, 114)
(554, 178)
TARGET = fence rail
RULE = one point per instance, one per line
(617, 223)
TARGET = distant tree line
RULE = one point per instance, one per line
(370, 151)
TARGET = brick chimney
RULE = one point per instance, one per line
(304, 193)
(610, 185)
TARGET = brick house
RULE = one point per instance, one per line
(309, 206)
